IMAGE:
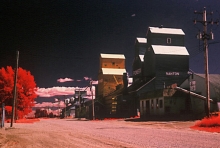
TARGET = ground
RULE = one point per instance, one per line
(71, 133)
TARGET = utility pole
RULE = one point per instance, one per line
(79, 103)
(93, 108)
(205, 37)
(15, 90)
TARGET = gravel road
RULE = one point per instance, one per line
(71, 133)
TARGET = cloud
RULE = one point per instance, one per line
(61, 91)
(61, 80)
(133, 15)
(55, 91)
(60, 104)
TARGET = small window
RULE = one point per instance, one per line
(113, 63)
(168, 40)
(105, 64)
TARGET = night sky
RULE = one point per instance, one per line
(64, 38)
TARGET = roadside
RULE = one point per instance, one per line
(106, 133)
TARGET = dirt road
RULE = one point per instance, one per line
(71, 133)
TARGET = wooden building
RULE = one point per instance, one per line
(110, 78)
(138, 63)
(166, 57)
(166, 62)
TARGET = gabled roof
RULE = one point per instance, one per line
(113, 71)
(142, 40)
(161, 30)
(113, 56)
(170, 50)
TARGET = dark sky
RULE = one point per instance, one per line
(64, 38)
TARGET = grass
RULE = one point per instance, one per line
(211, 124)
(24, 120)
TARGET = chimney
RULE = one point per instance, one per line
(161, 26)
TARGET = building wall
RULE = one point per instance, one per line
(162, 39)
(152, 106)
(163, 102)
(174, 105)
(149, 63)
(137, 69)
(108, 83)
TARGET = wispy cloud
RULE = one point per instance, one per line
(55, 91)
(61, 104)
(61, 80)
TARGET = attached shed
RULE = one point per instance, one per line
(175, 102)
(196, 83)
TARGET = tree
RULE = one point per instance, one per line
(25, 90)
